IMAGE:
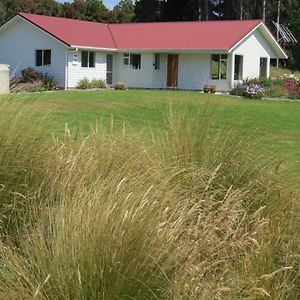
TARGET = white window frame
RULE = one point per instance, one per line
(43, 57)
(219, 66)
(128, 58)
(88, 59)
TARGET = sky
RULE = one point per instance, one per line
(108, 3)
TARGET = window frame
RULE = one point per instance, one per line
(238, 76)
(43, 58)
(222, 58)
(89, 60)
(157, 59)
(136, 61)
(265, 67)
(129, 60)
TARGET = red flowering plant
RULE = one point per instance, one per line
(292, 87)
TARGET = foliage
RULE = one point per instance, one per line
(85, 83)
(277, 91)
(251, 89)
(209, 88)
(212, 89)
(33, 81)
(292, 87)
(183, 214)
(266, 82)
(120, 86)
(206, 88)
(124, 11)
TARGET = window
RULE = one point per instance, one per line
(219, 66)
(42, 57)
(238, 67)
(133, 60)
(126, 59)
(156, 61)
(263, 67)
(87, 59)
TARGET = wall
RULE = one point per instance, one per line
(75, 72)
(195, 71)
(253, 48)
(18, 42)
(146, 77)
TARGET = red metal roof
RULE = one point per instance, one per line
(74, 32)
(209, 35)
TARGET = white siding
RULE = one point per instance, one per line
(76, 72)
(141, 78)
(18, 42)
(252, 49)
(195, 71)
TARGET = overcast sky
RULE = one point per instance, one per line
(108, 3)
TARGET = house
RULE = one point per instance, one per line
(184, 55)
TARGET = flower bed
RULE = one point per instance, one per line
(286, 86)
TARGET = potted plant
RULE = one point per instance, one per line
(206, 88)
(212, 89)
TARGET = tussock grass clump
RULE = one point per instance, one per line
(188, 214)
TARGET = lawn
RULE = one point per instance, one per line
(276, 124)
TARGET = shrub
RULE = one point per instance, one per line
(28, 87)
(84, 84)
(212, 89)
(238, 90)
(206, 88)
(98, 83)
(120, 86)
(277, 91)
(249, 88)
(33, 81)
(254, 91)
(291, 85)
(266, 82)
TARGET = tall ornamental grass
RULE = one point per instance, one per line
(186, 214)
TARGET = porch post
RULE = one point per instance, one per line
(231, 83)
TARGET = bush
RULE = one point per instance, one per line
(266, 82)
(249, 88)
(212, 89)
(206, 88)
(291, 85)
(277, 91)
(34, 81)
(85, 83)
(98, 83)
(254, 91)
(120, 86)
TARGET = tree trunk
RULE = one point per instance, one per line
(241, 10)
(264, 11)
(277, 31)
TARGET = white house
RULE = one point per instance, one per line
(184, 55)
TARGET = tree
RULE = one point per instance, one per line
(147, 11)
(124, 11)
(95, 10)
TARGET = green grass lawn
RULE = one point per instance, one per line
(276, 124)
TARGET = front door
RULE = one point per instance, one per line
(172, 79)
(109, 69)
